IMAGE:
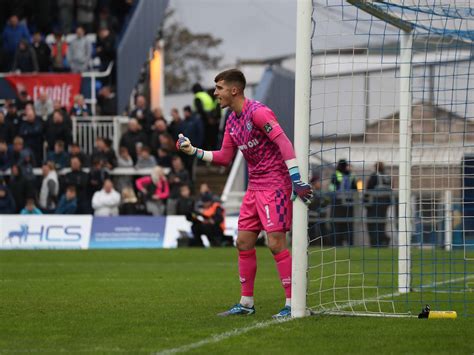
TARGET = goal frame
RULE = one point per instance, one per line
(304, 33)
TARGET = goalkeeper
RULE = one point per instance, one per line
(274, 180)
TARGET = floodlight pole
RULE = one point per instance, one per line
(304, 11)
(404, 173)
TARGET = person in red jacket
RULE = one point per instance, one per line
(155, 189)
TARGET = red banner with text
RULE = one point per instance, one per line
(61, 87)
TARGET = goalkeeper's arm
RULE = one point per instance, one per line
(224, 156)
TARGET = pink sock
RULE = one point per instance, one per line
(247, 271)
(283, 261)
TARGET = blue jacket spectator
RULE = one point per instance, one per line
(68, 202)
(192, 127)
(59, 156)
(31, 130)
(7, 203)
(13, 32)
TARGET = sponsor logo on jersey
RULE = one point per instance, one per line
(250, 144)
(268, 127)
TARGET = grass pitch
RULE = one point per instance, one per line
(150, 301)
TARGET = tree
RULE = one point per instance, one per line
(187, 55)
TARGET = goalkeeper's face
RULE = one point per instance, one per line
(224, 93)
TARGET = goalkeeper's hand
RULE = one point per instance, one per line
(184, 145)
(301, 190)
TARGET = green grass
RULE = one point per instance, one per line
(145, 301)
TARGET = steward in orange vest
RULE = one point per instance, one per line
(210, 221)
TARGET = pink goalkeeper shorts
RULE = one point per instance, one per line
(268, 210)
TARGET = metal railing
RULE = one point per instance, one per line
(86, 130)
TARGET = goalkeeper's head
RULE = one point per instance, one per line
(230, 84)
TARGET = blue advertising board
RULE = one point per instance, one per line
(127, 232)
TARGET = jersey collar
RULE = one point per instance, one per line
(244, 108)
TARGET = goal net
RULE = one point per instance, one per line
(391, 142)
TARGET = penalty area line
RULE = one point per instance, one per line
(222, 336)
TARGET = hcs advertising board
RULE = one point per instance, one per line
(45, 232)
(88, 232)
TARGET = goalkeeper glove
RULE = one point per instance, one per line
(184, 145)
(300, 188)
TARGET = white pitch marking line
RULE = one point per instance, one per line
(220, 337)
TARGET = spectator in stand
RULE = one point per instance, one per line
(124, 160)
(106, 202)
(79, 179)
(177, 177)
(7, 204)
(145, 159)
(58, 107)
(7, 131)
(104, 153)
(13, 118)
(31, 130)
(156, 115)
(79, 53)
(27, 163)
(191, 125)
(176, 126)
(23, 100)
(20, 187)
(13, 33)
(185, 204)
(75, 151)
(107, 20)
(163, 158)
(107, 101)
(59, 157)
(159, 128)
(6, 159)
(155, 189)
(44, 106)
(132, 136)
(85, 14)
(129, 204)
(142, 113)
(167, 143)
(97, 176)
(25, 59)
(30, 207)
(105, 47)
(18, 150)
(66, 15)
(80, 108)
(204, 106)
(68, 201)
(57, 129)
(49, 191)
(59, 52)
(43, 52)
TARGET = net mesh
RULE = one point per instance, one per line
(355, 157)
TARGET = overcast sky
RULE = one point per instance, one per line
(249, 28)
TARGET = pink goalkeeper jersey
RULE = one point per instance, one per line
(253, 132)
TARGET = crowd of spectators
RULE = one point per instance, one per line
(37, 135)
(51, 35)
